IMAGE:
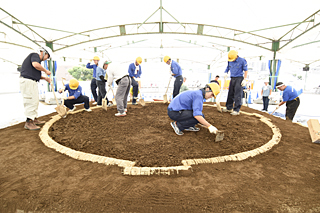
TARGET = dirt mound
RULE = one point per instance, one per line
(35, 178)
(146, 137)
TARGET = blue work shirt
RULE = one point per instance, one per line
(94, 67)
(289, 93)
(188, 100)
(74, 92)
(132, 70)
(176, 69)
(237, 67)
(100, 72)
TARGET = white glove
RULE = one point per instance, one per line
(244, 82)
(226, 76)
(269, 97)
(65, 98)
(212, 129)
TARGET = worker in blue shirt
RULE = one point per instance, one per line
(239, 70)
(135, 74)
(176, 72)
(290, 98)
(75, 96)
(101, 83)
(186, 109)
(93, 84)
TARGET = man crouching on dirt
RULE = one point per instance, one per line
(186, 109)
(75, 96)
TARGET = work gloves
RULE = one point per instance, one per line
(212, 129)
(226, 76)
(244, 82)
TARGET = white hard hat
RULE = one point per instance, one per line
(47, 50)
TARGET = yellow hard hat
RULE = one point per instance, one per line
(139, 60)
(96, 58)
(215, 88)
(74, 84)
(166, 58)
(232, 55)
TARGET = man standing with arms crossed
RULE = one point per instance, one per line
(237, 66)
(29, 77)
(93, 84)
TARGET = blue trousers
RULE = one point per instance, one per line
(235, 94)
(135, 89)
(184, 118)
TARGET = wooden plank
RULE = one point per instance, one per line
(314, 129)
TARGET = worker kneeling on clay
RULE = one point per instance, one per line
(75, 96)
(186, 109)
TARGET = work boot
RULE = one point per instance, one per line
(37, 122)
(31, 126)
(227, 110)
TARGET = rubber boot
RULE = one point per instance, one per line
(37, 122)
(31, 126)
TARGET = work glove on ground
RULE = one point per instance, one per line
(212, 129)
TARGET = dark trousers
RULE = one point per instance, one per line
(291, 109)
(93, 86)
(135, 89)
(177, 84)
(184, 118)
(102, 92)
(235, 94)
(70, 102)
(265, 100)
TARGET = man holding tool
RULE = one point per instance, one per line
(290, 98)
(237, 66)
(186, 110)
(176, 72)
(122, 79)
(135, 74)
(75, 96)
(29, 77)
(101, 83)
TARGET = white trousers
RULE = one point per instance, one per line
(30, 95)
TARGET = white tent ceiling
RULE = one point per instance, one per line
(79, 16)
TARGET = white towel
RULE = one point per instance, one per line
(137, 69)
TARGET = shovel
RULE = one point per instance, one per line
(219, 134)
(61, 110)
(141, 101)
(113, 99)
(165, 98)
(218, 102)
(105, 103)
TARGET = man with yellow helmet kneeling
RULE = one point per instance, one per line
(75, 96)
(186, 109)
